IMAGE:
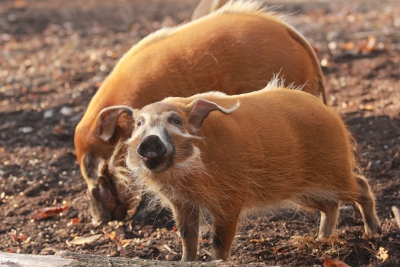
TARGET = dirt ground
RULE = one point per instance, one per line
(54, 55)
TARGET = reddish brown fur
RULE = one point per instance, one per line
(279, 146)
(232, 51)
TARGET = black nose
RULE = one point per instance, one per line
(152, 147)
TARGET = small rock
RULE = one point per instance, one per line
(48, 113)
(103, 68)
(9, 79)
(97, 79)
(332, 45)
(332, 35)
(66, 111)
(5, 37)
(26, 129)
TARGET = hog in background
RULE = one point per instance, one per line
(236, 49)
(225, 155)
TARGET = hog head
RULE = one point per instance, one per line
(164, 132)
(101, 158)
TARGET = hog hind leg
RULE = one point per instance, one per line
(329, 210)
(366, 203)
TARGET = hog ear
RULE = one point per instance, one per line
(108, 118)
(199, 110)
(90, 168)
(205, 7)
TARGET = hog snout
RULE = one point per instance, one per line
(152, 149)
(113, 208)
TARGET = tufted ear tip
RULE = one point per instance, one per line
(108, 118)
(200, 109)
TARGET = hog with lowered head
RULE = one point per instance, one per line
(236, 49)
(226, 155)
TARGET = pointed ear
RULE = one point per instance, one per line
(199, 110)
(108, 118)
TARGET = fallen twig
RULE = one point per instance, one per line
(170, 249)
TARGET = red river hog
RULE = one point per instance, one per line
(236, 49)
(225, 155)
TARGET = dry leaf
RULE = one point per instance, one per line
(328, 262)
(48, 212)
(368, 45)
(125, 241)
(113, 235)
(58, 129)
(366, 107)
(19, 238)
(371, 44)
(382, 254)
(348, 46)
(84, 240)
(73, 221)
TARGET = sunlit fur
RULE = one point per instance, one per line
(237, 49)
(280, 146)
(118, 168)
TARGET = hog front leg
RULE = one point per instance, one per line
(224, 229)
(187, 220)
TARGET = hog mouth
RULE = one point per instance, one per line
(154, 153)
(158, 164)
(152, 163)
(106, 194)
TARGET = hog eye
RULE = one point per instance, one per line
(139, 122)
(174, 119)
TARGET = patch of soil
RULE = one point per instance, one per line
(54, 56)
